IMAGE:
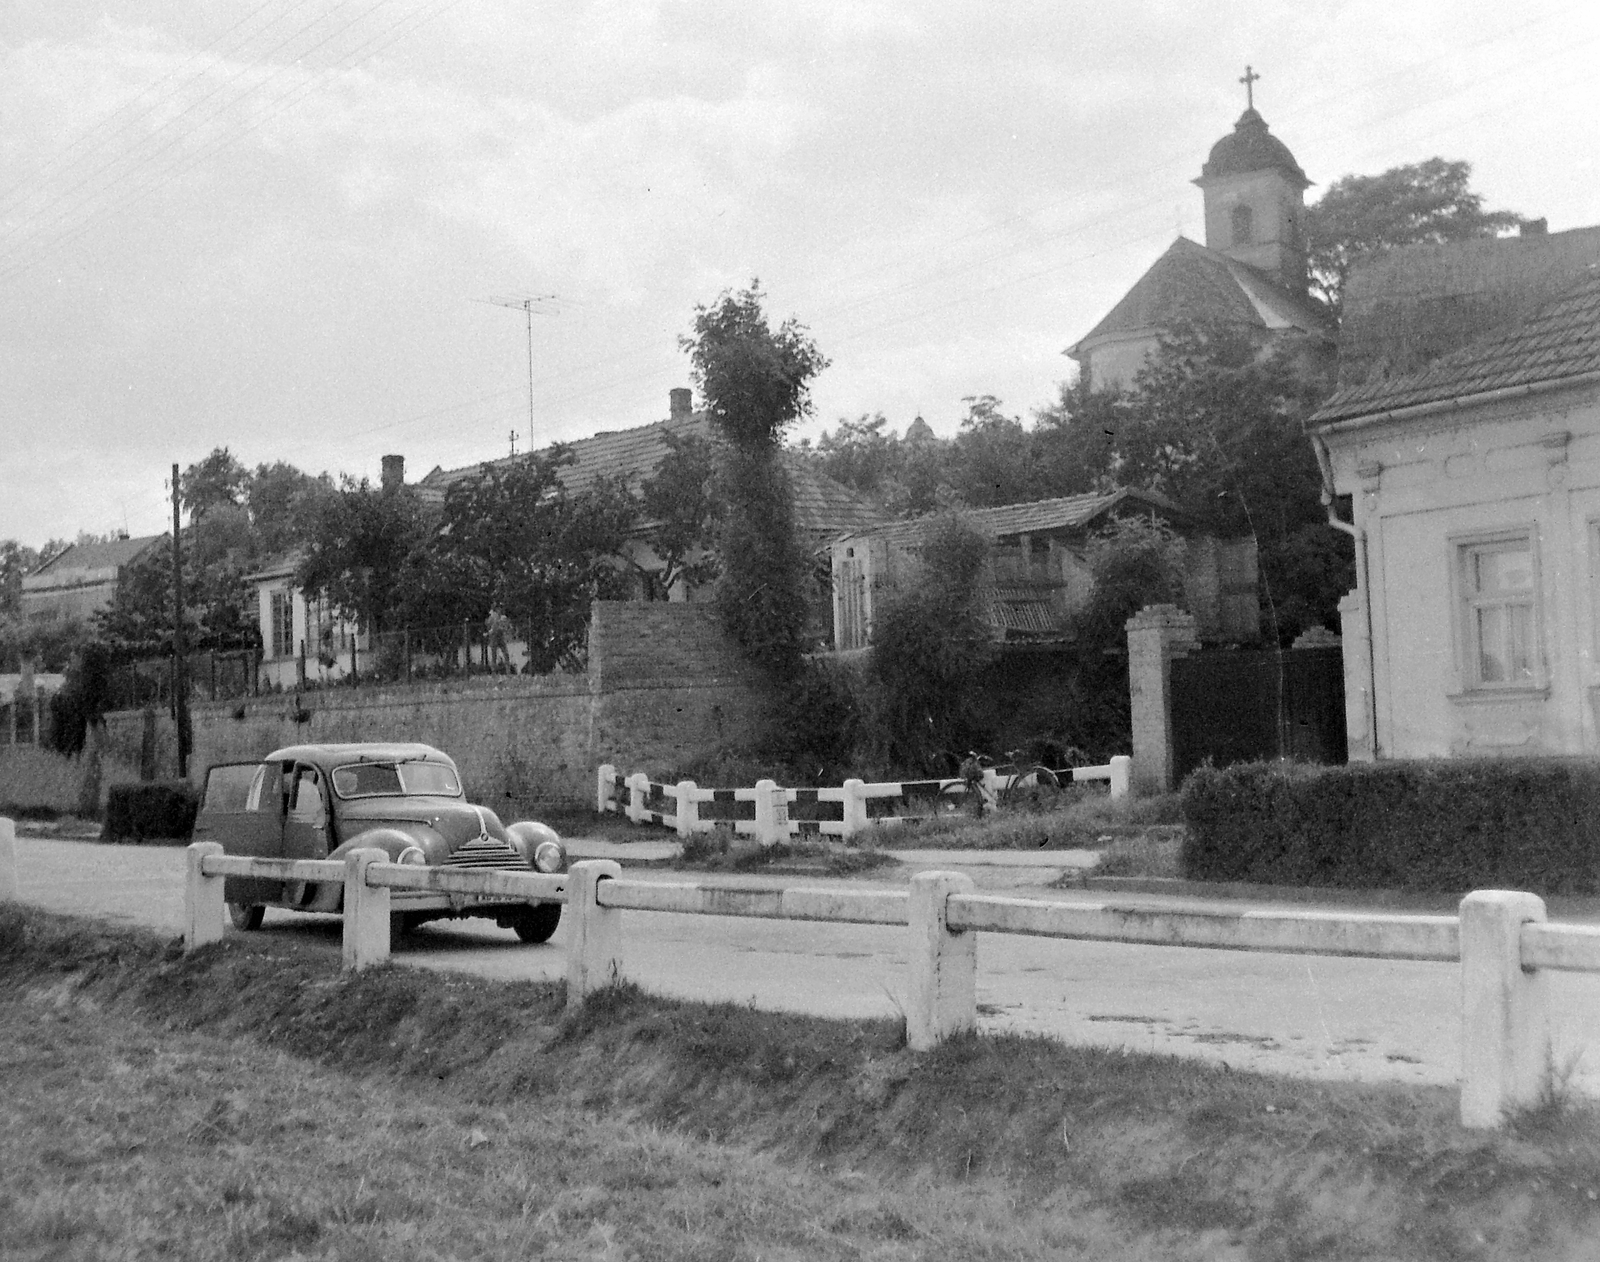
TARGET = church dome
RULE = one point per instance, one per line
(1251, 147)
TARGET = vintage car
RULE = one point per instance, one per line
(322, 801)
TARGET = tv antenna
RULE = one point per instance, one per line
(527, 303)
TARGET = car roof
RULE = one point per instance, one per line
(363, 751)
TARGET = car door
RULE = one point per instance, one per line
(305, 827)
(242, 809)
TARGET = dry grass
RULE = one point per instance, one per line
(1074, 817)
(251, 1101)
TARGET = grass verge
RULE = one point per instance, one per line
(252, 1101)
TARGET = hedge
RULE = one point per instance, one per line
(159, 810)
(1439, 826)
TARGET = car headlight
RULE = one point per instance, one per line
(412, 856)
(549, 856)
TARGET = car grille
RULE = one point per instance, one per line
(485, 852)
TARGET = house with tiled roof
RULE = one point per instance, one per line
(1250, 273)
(1470, 449)
(81, 580)
(1036, 576)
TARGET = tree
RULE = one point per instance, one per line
(282, 502)
(16, 560)
(1216, 426)
(1421, 202)
(358, 541)
(217, 480)
(512, 538)
(929, 649)
(755, 382)
(680, 509)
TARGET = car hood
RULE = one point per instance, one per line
(455, 821)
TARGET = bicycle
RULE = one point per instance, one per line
(992, 786)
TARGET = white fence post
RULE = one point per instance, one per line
(1505, 1030)
(203, 908)
(638, 791)
(855, 808)
(605, 785)
(688, 808)
(10, 886)
(366, 911)
(942, 966)
(1121, 775)
(594, 933)
(768, 799)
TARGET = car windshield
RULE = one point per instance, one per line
(395, 779)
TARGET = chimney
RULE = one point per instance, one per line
(682, 407)
(1535, 227)
(394, 472)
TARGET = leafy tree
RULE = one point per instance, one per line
(680, 509)
(930, 646)
(16, 560)
(513, 538)
(282, 502)
(217, 480)
(756, 382)
(357, 545)
(49, 642)
(1429, 201)
(1216, 427)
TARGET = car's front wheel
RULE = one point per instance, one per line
(246, 916)
(537, 921)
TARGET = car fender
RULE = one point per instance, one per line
(527, 834)
(392, 841)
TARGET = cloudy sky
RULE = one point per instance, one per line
(279, 226)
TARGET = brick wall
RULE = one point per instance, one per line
(664, 684)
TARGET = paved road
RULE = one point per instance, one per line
(1304, 1015)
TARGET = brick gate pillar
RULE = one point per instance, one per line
(1156, 635)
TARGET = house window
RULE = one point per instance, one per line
(1243, 225)
(1498, 594)
(281, 617)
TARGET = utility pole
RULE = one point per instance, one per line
(526, 305)
(180, 684)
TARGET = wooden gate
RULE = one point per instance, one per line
(1231, 706)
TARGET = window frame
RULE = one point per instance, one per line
(1466, 602)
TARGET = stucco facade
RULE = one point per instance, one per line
(1475, 499)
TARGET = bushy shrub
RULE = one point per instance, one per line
(1444, 826)
(160, 810)
(820, 723)
(930, 648)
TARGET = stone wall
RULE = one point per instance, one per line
(664, 684)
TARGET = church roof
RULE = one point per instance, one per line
(1193, 284)
(1250, 147)
(1559, 342)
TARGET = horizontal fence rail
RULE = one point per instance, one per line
(772, 813)
(1501, 938)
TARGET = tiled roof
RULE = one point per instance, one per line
(1406, 308)
(824, 508)
(1559, 341)
(1191, 283)
(96, 556)
(1027, 611)
(1069, 512)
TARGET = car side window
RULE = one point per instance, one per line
(307, 805)
(266, 790)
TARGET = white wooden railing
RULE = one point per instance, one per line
(768, 812)
(1501, 939)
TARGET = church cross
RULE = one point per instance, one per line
(1249, 81)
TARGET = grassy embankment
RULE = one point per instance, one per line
(1136, 837)
(252, 1101)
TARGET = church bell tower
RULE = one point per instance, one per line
(1255, 198)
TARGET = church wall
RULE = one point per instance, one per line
(1276, 211)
